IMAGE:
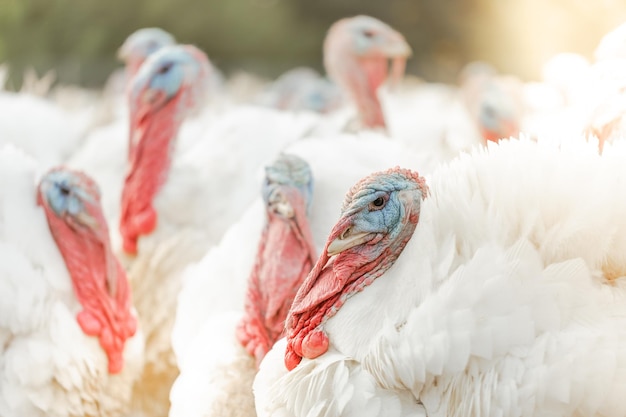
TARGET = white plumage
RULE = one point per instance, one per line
(210, 185)
(41, 128)
(213, 290)
(48, 366)
(508, 300)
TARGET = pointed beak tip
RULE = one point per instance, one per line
(87, 220)
(121, 52)
(334, 248)
(340, 244)
(401, 50)
(285, 210)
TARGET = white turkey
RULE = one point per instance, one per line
(140, 44)
(178, 199)
(434, 119)
(104, 151)
(214, 290)
(220, 363)
(301, 89)
(68, 333)
(496, 290)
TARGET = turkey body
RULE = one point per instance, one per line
(498, 304)
(49, 366)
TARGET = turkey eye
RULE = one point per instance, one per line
(368, 33)
(378, 203)
(165, 68)
(489, 111)
(64, 190)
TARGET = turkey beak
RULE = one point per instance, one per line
(342, 243)
(86, 220)
(279, 203)
(396, 46)
(123, 53)
(283, 208)
(345, 238)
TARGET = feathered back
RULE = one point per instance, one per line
(564, 198)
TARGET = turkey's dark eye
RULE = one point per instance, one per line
(165, 68)
(378, 203)
(368, 33)
(489, 111)
(64, 190)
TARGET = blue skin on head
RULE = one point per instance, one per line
(367, 34)
(376, 205)
(166, 71)
(292, 171)
(151, 39)
(144, 42)
(496, 108)
(64, 194)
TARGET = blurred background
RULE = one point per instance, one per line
(78, 39)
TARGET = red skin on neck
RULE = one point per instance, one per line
(98, 279)
(150, 147)
(284, 258)
(362, 78)
(332, 281)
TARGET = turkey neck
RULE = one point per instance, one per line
(362, 80)
(150, 153)
(334, 280)
(99, 283)
(284, 258)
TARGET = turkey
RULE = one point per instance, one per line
(68, 331)
(105, 150)
(170, 214)
(216, 376)
(137, 47)
(434, 119)
(140, 44)
(465, 295)
(301, 89)
(356, 54)
(493, 101)
(202, 335)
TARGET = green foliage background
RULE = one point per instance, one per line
(79, 38)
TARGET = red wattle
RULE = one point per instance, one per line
(314, 344)
(292, 360)
(334, 279)
(89, 323)
(152, 133)
(285, 256)
(86, 250)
